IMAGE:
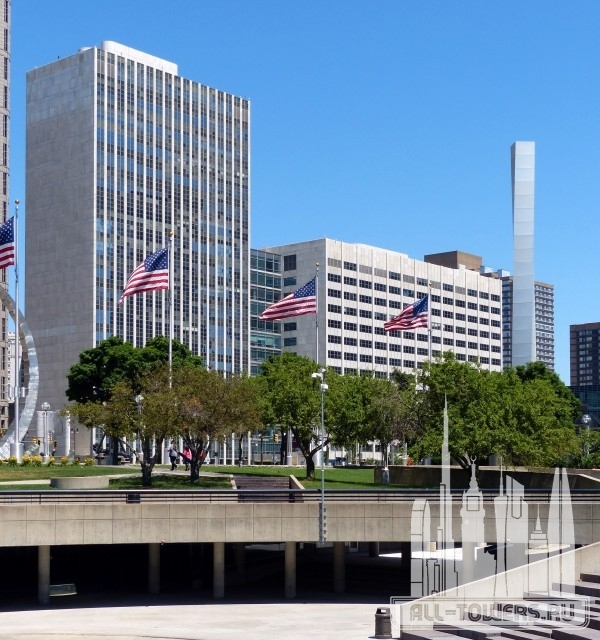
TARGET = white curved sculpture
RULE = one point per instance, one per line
(28, 345)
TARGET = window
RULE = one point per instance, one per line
(289, 342)
(436, 339)
(380, 302)
(350, 281)
(461, 357)
(408, 335)
(381, 346)
(472, 332)
(472, 319)
(350, 356)
(472, 345)
(392, 275)
(334, 339)
(349, 326)
(350, 342)
(334, 324)
(484, 334)
(290, 326)
(409, 293)
(461, 343)
(379, 287)
(380, 316)
(483, 321)
(472, 306)
(334, 308)
(364, 313)
(365, 328)
(365, 284)
(421, 337)
(397, 291)
(484, 295)
(408, 349)
(448, 314)
(289, 262)
(365, 344)
(484, 308)
(350, 266)
(472, 293)
(448, 301)
(448, 342)
(334, 355)
(365, 299)
(459, 303)
(394, 362)
(422, 352)
(349, 311)
(334, 293)
(334, 277)
(379, 331)
(409, 364)
(449, 328)
(395, 347)
(395, 304)
(460, 316)
(436, 312)
(447, 287)
(460, 330)
(495, 323)
(289, 282)
(366, 358)
(381, 360)
(349, 296)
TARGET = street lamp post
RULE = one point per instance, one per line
(324, 387)
(45, 409)
(586, 419)
(139, 399)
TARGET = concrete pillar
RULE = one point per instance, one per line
(240, 562)
(339, 567)
(405, 550)
(290, 569)
(44, 574)
(468, 561)
(373, 549)
(154, 568)
(218, 569)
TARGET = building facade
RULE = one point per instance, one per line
(544, 322)
(122, 152)
(5, 346)
(523, 335)
(361, 287)
(585, 368)
(265, 288)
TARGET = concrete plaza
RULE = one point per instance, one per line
(257, 621)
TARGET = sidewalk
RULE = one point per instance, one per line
(264, 621)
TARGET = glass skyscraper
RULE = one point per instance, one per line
(122, 152)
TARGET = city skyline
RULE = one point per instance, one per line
(389, 126)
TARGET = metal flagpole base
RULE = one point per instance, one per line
(16, 450)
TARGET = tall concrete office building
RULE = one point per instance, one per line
(121, 152)
(6, 390)
(544, 322)
(523, 287)
(361, 287)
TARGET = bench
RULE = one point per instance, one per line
(62, 590)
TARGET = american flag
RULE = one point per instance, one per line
(299, 303)
(7, 243)
(415, 315)
(151, 275)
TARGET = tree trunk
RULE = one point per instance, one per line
(310, 467)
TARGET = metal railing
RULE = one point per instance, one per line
(217, 496)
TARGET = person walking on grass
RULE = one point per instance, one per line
(186, 457)
(173, 457)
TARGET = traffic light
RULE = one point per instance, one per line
(276, 437)
(54, 444)
(36, 441)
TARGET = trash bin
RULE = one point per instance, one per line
(383, 623)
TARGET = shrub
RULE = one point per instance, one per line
(12, 461)
(51, 461)
(36, 461)
(25, 461)
(64, 461)
(88, 462)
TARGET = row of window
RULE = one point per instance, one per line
(397, 362)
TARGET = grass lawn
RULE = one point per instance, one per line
(8, 474)
(335, 477)
(175, 481)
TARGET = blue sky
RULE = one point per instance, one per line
(385, 122)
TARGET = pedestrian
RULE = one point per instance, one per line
(173, 457)
(186, 457)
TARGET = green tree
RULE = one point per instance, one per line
(292, 400)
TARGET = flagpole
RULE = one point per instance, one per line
(17, 363)
(170, 298)
(429, 323)
(317, 314)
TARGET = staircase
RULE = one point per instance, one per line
(264, 489)
(530, 628)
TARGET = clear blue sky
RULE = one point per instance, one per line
(385, 122)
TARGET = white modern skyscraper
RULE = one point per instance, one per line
(361, 287)
(523, 292)
(121, 151)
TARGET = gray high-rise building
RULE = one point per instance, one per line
(121, 152)
(6, 389)
(523, 296)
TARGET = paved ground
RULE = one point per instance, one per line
(265, 621)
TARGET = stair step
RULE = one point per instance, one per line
(427, 634)
(471, 630)
(590, 577)
(519, 634)
(577, 633)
